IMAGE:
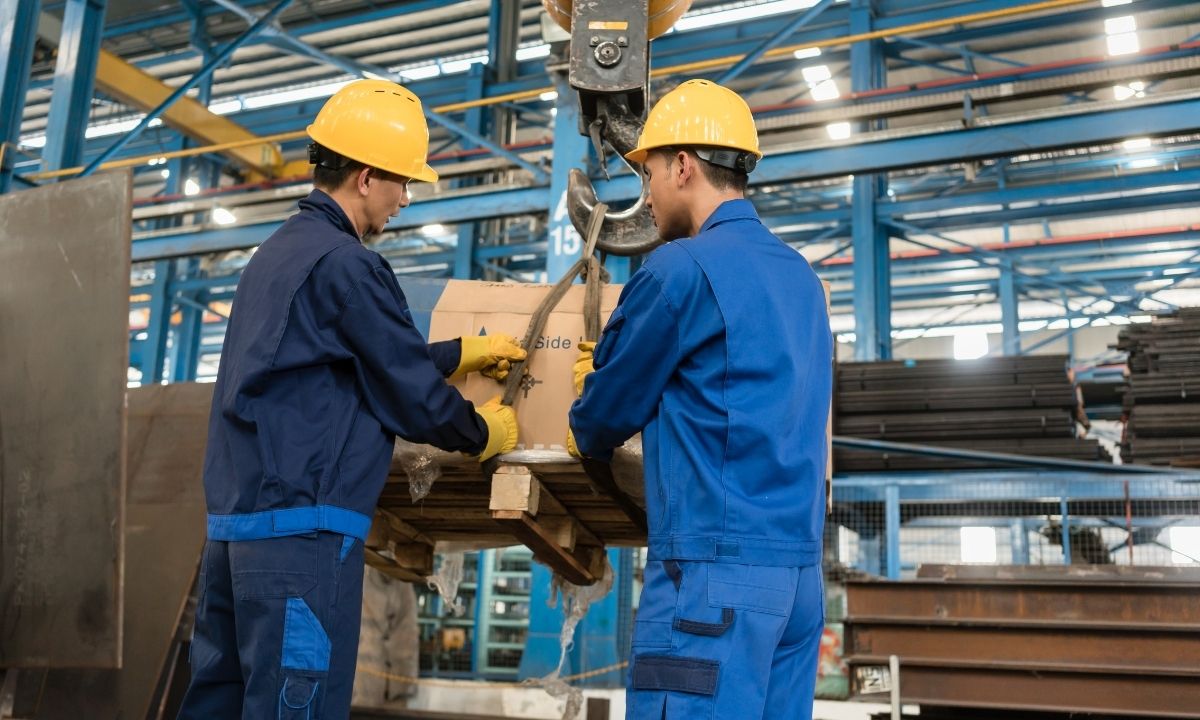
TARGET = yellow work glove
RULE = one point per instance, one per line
(572, 448)
(501, 423)
(489, 355)
(583, 366)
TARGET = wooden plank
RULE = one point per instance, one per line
(397, 527)
(411, 563)
(64, 330)
(545, 547)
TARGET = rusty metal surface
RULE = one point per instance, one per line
(1164, 696)
(1097, 647)
(64, 318)
(1067, 639)
(1062, 574)
(1123, 602)
(164, 531)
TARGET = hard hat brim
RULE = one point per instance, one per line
(426, 174)
(638, 155)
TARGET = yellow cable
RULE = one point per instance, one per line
(660, 72)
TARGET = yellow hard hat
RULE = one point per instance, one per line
(379, 124)
(699, 112)
(662, 15)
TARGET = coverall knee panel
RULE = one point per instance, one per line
(297, 601)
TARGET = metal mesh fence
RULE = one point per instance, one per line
(890, 525)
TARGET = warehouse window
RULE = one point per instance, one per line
(970, 344)
(1185, 541)
(978, 544)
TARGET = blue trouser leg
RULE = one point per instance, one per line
(277, 629)
(722, 641)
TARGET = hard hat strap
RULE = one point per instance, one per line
(324, 157)
(733, 159)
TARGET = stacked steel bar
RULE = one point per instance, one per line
(1024, 405)
(1097, 639)
(1161, 409)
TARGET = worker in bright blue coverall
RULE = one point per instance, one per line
(321, 369)
(720, 353)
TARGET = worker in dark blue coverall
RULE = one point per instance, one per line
(720, 353)
(321, 369)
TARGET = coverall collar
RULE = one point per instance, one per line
(318, 201)
(730, 210)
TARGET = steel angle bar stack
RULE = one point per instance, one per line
(1097, 639)
(1024, 405)
(1160, 402)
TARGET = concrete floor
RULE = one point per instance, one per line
(534, 704)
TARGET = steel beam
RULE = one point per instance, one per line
(570, 151)
(290, 43)
(474, 206)
(884, 446)
(464, 250)
(18, 30)
(1010, 308)
(133, 86)
(872, 265)
(205, 71)
(74, 73)
(1100, 124)
(784, 33)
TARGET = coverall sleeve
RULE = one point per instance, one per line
(636, 356)
(446, 355)
(402, 386)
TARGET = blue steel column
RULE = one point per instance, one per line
(1010, 308)
(872, 264)
(158, 327)
(74, 77)
(1019, 541)
(1065, 510)
(185, 347)
(464, 252)
(18, 32)
(564, 244)
(892, 530)
(597, 640)
(1010, 313)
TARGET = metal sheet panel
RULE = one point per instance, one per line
(64, 318)
(164, 533)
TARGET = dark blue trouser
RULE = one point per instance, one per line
(276, 634)
(717, 641)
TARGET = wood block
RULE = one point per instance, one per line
(515, 488)
(563, 529)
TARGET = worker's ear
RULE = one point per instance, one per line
(684, 167)
(362, 181)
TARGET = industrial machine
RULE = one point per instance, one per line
(609, 61)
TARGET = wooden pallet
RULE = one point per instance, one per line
(541, 499)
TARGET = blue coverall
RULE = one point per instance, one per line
(720, 352)
(321, 369)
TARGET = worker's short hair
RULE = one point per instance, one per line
(331, 170)
(331, 176)
(721, 178)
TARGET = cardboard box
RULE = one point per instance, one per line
(477, 308)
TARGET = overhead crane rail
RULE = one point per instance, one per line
(683, 68)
